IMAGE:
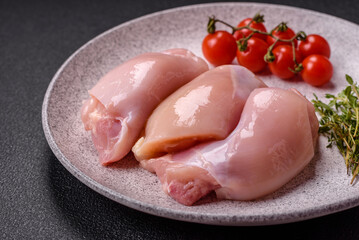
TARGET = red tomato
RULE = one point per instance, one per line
(245, 32)
(253, 57)
(317, 70)
(283, 61)
(314, 44)
(285, 35)
(219, 48)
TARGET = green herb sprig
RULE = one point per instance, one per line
(339, 122)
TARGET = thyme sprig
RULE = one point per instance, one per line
(340, 122)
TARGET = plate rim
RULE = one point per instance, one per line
(190, 216)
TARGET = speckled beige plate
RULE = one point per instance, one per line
(322, 188)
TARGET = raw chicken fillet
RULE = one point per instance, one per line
(121, 102)
(207, 108)
(273, 141)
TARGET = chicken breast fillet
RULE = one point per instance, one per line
(273, 141)
(207, 108)
(121, 102)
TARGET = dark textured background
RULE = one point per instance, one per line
(39, 199)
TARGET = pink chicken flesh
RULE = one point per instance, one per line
(273, 141)
(207, 108)
(123, 99)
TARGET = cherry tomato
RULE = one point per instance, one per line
(285, 35)
(283, 61)
(245, 32)
(253, 57)
(219, 48)
(314, 44)
(317, 70)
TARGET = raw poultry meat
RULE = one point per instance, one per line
(207, 108)
(121, 102)
(273, 141)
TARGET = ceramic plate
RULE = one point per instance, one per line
(322, 188)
